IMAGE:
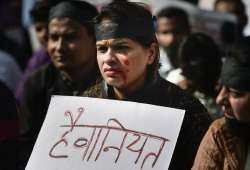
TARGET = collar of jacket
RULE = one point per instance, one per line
(108, 92)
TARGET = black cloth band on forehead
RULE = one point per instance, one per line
(69, 10)
(135, 29)
(235, 76)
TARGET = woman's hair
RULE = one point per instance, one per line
(200, 60)
(239, 11)
(40, 12)
(131, 20)
(80, 11)
(240, 52)
(236, 68)
(176, 13)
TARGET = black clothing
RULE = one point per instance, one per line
(196, 121)
(20, 52)
(9, 128)
(39, 88)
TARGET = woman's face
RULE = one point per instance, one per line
(41, 29)
(235, 104)
(69, 45)
(123, 62)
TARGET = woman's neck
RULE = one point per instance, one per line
(80, 73)
(122, 93)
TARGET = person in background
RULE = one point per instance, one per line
(226, 143)
(172, 27)
(232, 32)
(128, 61)
(10, 72)
(200, 67)
(71, 46)
(39, 14)
(14, 39)
(9, 130)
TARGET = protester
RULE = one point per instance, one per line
(10, 72)
(200, 66)
(14, 39)
(9, 130)
(235, 7)
(128, 61)
(39, 14)
(226, 143)
(71, 46)
(231, 32)
(172, 27)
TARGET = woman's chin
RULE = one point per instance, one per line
(229, 115)
(114, 81)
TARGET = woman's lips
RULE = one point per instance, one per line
(112, 71)
(61, 58)
(228, 113)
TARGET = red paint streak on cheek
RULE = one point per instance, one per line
(123, 74)
(124, 77)
(125, 60)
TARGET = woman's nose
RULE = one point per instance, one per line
(110, 56)
(222, 96)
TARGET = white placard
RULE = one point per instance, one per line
(100, 134)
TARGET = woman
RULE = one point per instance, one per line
(127, 54)
(198, 53)
(226, 143)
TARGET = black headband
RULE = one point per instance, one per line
(235, 76)
(72, 10)
(136, 29)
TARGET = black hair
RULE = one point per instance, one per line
(40, 12)
(80, 11)
(200, 60)
(240, 12)
(236, 68)
(178, 13)
(131, 12)
(240, 52)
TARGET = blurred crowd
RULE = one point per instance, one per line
(196, 60)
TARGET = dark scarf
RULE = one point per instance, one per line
(235, 75)
(238, 128)
(79, 11)
(108, 91)
(125, 29)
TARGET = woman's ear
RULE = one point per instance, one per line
(153, 52)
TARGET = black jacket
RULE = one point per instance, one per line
(163, 93)
(39, 88)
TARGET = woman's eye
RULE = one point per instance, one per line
(53, 37)
(102, 49)
(235, 93)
